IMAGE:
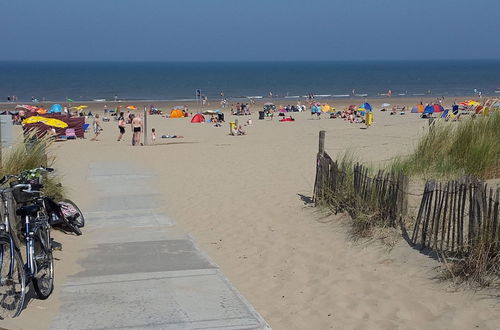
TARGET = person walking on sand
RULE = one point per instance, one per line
(121, 126)
(153, 135)
(136, 129)
(97, 127)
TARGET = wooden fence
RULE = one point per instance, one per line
(452, 217)
(353, 189)
(456, 215)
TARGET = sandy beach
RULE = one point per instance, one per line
(246, 201)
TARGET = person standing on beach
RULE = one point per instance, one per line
(136, 128)
(153, 135)
(97, 127)
(121, 126)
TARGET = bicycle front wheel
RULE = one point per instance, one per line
(12, 280)
(79, 220)
(43, 281)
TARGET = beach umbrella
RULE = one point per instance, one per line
(80, 107)
(26, 107)
(41, 111)
(326, 108)
(55, 108)
(429, 109)
(438, 108)
(385, 105)
(366, 106)
(47, 121)
(419, 108)
(132, 107)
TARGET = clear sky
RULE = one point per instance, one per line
(248, 30)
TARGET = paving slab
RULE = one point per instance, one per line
(128, 218)
(140, 272)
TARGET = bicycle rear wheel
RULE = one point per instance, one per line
(12, 280)
(43, 281)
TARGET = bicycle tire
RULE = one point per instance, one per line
(72, 227)
(12, 288)
(80, 220)
(43, 280)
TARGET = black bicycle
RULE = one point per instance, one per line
(35, 232)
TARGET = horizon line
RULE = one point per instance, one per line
(246, 61)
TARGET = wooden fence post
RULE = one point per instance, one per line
(145, 124)
(321, 146)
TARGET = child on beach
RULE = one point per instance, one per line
(153, 134)
(97, 127)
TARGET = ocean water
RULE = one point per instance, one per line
(83, 81)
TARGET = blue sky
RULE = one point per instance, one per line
(248, 30)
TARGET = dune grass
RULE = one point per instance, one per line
(453, 149)
(31, 152)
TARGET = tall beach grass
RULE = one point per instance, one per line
(30, 152)
(454, 149)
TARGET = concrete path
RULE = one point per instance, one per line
(140, 272)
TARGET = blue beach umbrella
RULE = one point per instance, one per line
(56, 108)
(367, 106)
(429, 109)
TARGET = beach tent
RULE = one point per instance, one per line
(55, 108)
(176, 113)
(198, 118)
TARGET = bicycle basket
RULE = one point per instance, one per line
(23, 197)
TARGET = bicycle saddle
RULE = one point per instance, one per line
(28, 210)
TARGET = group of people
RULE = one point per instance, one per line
(240, 109)
(135, 122)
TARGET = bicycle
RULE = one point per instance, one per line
(39, 267)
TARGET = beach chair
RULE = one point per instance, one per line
(70, 133)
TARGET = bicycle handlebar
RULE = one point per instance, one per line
(25, 173)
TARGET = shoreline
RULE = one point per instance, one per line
(259, 98)
(193, 105)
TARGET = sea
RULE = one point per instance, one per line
(87, 81)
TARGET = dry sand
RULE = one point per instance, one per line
(244, 200)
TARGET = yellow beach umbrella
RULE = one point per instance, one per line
(33, 120)
(47, 121)
(55, 123)
(80, 107)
